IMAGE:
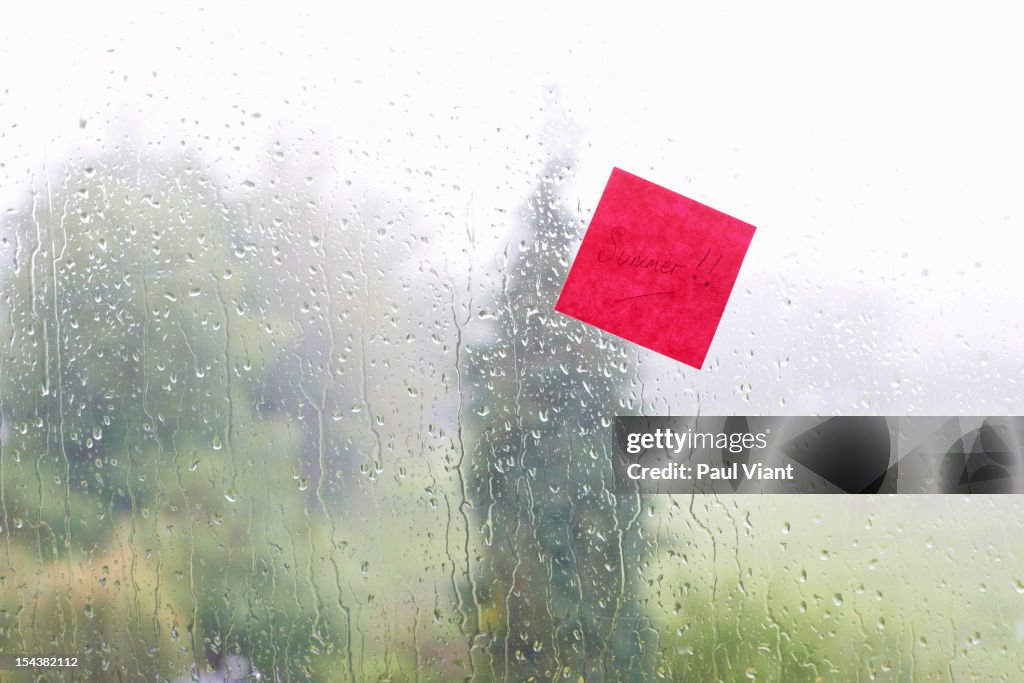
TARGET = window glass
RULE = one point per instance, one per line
(283, 395)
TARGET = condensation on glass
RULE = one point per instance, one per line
(283, 397)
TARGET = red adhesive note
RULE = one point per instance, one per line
(655, 268)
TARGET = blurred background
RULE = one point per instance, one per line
(283, 396)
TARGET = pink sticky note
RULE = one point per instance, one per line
(655, 268)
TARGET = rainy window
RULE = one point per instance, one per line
(283, 395)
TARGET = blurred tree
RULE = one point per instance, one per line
(136, 467)
(186, 478)
(559, 549)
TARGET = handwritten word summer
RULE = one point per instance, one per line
(619, 255)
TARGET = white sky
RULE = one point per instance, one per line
(870, 144)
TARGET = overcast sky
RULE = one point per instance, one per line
(877, 147)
